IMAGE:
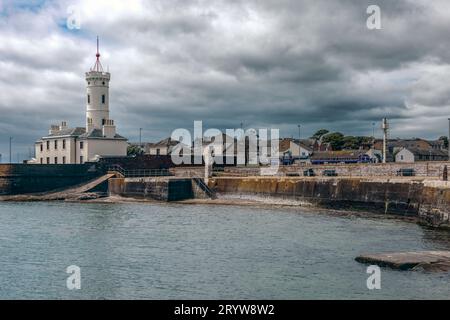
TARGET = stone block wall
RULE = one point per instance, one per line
(422, 199)
(422, 169)
(161, 188)
(32, 178)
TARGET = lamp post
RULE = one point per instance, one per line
(448, 140)
(10, 149)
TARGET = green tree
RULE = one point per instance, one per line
(320, 133)
(134, 151)
(335, 139)
(353, 143)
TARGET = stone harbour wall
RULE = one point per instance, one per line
(422, 169)
(160, 188)
(427, 200)
(33, 178)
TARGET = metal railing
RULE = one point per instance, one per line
(138, 173)
(202, 185)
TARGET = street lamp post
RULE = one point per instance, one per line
(10, 149)
(448, 140)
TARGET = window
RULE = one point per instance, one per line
(89, 98)
(64, 144)
(42, 147)
(56, 160)
(103, 82)
(81, 159)
(42, 161)
(158, 152)
(56, 144)
(64, 160)
(103, 98)
(81, 144)
(48, 145)
(103, 122)
(48, 160)
(401, 157)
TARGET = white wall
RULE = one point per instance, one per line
(404, 156)
(104, 147)
(162, 151)
(97, 85)
(60, 152)
(298, 151)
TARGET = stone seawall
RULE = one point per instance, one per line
(32, 178)
(421, 169)
(427, 200)
(160, 188)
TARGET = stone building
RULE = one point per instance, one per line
(64, 145)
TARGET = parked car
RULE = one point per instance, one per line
(309, 173)
(406, 172)
(330, 173)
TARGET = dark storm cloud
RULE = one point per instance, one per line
(264, 63)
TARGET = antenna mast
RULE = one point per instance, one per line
(385, 127)
(98, 66)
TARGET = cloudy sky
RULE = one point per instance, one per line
(266, 63)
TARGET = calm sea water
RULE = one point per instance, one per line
(165, 251)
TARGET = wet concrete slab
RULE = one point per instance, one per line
(421, 260)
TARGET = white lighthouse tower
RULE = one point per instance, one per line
(97, 98)
(64, 145)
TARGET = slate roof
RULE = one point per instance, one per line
(98, 134)
(168, 142)
(285, 144)
(427, 152)
(344, 154)
(68, 132)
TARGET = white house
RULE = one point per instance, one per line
(410, 155)
(163, 147)
(64, 145)
(293, 150)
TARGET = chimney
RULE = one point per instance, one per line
(53, 129)
(109, 129)
(63, 125)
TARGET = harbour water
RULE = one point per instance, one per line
(175, 251)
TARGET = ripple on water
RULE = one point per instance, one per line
(165, 251)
